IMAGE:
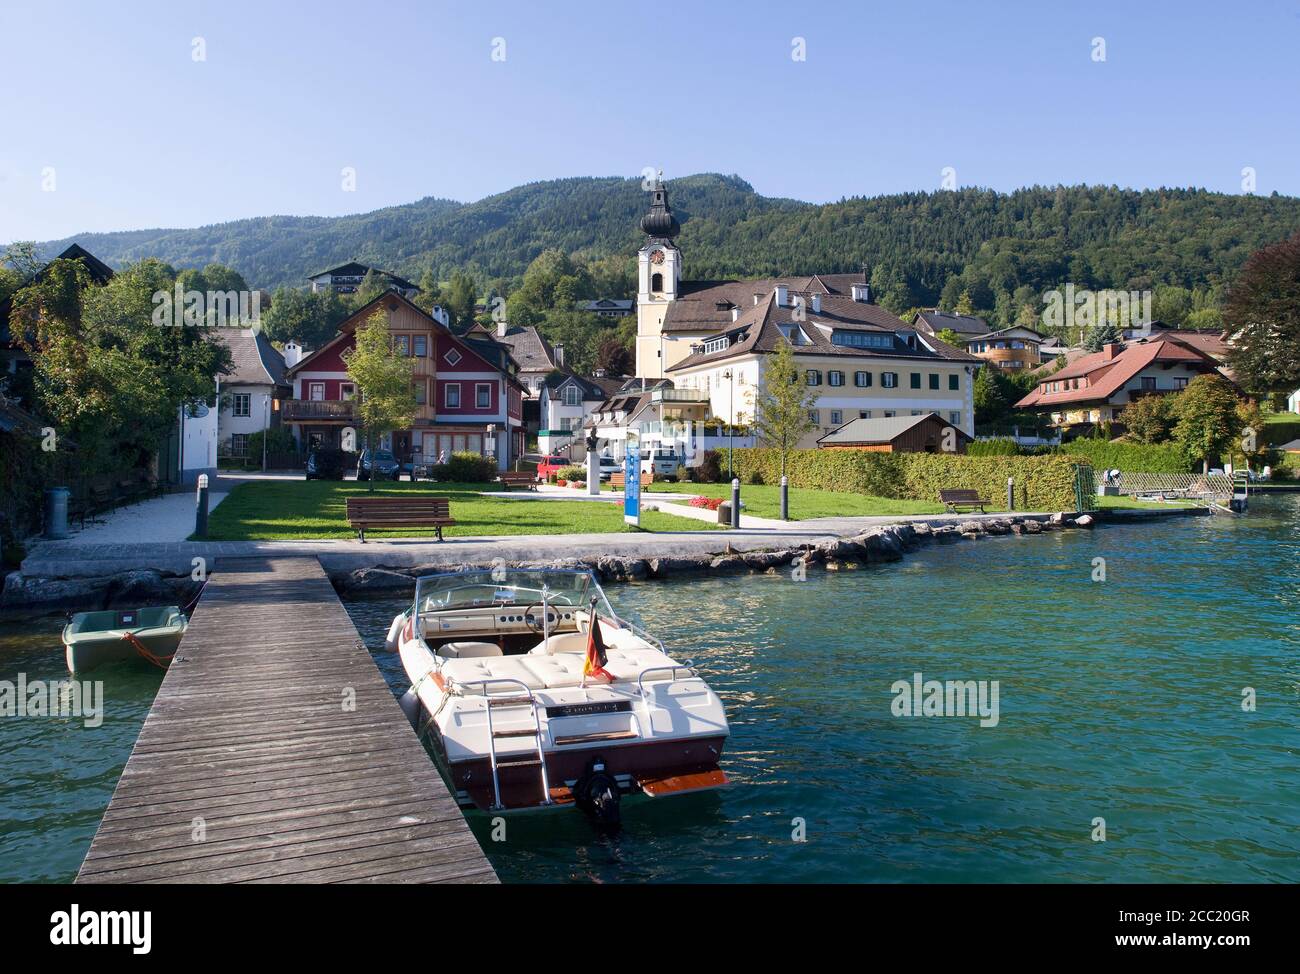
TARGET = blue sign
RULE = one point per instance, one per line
(632, 484)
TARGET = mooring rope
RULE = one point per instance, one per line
(146, 652)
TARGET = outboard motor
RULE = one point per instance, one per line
(597, 794)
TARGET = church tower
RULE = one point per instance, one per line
(659, 274)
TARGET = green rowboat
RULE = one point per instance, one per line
(95, 638)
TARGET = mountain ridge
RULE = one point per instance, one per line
(913, 243)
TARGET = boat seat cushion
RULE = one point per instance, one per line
(463, 671)
(561, 670)
(561, 642)
(469, 649)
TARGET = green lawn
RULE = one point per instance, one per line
(765, 501)
(289, 510)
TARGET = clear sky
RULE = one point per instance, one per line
(107, 104)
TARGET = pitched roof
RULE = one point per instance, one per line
(1021, 330)
(594, 388)
(355, 267)
(495, 355)
(962, 324)
(528, 348)
(1102, 374)
(758, 330)
(100, 272)
(705, 306)
(883, 430)
(256, 361)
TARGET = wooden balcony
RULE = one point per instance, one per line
(304, 410)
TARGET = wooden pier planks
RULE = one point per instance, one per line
(251, 768)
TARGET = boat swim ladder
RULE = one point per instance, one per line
(525, 698)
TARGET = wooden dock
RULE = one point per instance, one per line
(275, 752)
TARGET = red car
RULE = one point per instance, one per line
(550, 465)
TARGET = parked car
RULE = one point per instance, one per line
(550, 464)
(662, 463)
(385, 465)
(326, 463)
(608, 465)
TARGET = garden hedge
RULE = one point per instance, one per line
(1129, 457)
(1043, 483)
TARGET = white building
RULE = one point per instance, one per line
(713, 338)
(567, 401)
(251, 393)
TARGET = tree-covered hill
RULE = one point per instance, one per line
(922, 248)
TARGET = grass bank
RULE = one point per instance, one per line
(298, 510)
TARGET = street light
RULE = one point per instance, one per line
(266, 426)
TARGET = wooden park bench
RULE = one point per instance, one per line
(518, 478)
(962, 497)
(399, 512)
(619, 480)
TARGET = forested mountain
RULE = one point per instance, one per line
(922, 248)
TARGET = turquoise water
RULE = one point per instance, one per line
(1118, 699)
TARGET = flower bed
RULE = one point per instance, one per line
(708, 503)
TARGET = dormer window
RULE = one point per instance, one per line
(716, 345)
(862, 339)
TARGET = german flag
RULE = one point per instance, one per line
(594, 664)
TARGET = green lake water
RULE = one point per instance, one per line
(1119, 699)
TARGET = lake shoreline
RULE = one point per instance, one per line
(73, 581)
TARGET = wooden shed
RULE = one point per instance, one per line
(897, 434)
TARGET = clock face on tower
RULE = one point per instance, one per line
(657, 257)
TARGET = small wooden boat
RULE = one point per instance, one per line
(95, 638)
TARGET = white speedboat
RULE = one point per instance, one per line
(507, 677)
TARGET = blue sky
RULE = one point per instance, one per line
(139, 134)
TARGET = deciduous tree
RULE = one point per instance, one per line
(383, 380)
(783, 403)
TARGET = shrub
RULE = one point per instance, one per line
(1043, 483)
(465, 468)
(709, 470)
(1277, 433)
(993, 448)
(571, 473)
(1130, 457)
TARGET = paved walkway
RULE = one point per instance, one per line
(71, 559)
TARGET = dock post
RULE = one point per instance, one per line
(201, 508)
(1011, 493)
(735, 502)
(785, 498)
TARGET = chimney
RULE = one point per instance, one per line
(599, 373)
(502, 328)
(757, 297)
(862, 293)
(817, 304)
(1110, 350)
(293, 354)
(782, 295)
(558, 349)
(735, 313)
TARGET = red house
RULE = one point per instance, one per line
(467, 396)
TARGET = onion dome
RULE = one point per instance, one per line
(660, 222)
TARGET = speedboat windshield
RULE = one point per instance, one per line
(504, 586)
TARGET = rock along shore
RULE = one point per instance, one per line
(74, 587)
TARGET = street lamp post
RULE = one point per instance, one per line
(266, 426)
